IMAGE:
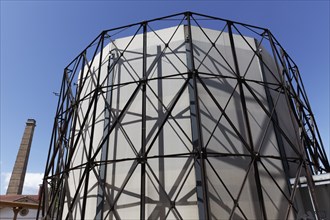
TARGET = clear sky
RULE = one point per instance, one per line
(39, 38)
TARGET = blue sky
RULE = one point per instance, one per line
(39, 38)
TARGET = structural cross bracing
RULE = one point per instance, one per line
(182, 117)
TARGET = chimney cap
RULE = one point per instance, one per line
(31, 121)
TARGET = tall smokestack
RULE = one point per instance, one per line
(17, 177)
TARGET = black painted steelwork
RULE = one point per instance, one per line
(308, 156)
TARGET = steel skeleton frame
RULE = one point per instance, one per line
(58, 202)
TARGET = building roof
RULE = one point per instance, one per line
(20, 198)
(27, 201)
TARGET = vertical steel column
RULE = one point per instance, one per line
(75, 116)
(161, 150)
(143, 124)
(104, 152)
(274, 117)
(309, 178)
(200, 153)
(89, 164)
(254, 155)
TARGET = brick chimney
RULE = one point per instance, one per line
(17, 177)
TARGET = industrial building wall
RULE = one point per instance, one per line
(7, 213)
(171, 178)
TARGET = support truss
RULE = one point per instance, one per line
(207, 120)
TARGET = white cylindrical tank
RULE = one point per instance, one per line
(188, 125)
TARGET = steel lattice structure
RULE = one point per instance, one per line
(204, 117)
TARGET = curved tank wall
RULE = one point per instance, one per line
(171, 166)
